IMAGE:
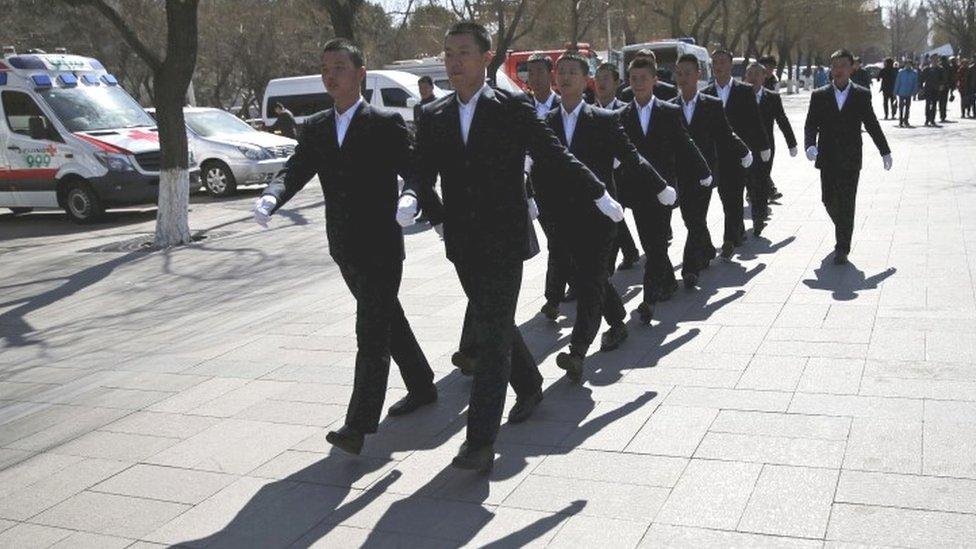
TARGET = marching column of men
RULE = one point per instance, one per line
(651, 153)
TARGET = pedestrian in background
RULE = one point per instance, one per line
(906, 87)
(887, 76)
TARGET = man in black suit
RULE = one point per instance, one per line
(932, 83)
(705, 119)
(361, 190)
(425, 85)
(595, 137)
(743, 115)
(771, 109)
(476, 139)
(833, 141)
(559, 266)
(607, 82)
(662, 90)
(655, 128)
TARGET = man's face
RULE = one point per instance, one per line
(841, 69)
(722, 67)
(571, 78)
(686, 75)
(642, 82)
(540, 80)
(769, 70)
(756, 76)
(426, 90)
(606, 84)
(342, 78)
(465, 63)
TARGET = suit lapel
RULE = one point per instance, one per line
(631, 121)
(555, 121)
(581, 134)
(329, 127)
(452, 124)
(483, 112)
(357, 126)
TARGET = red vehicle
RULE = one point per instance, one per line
(516, 64)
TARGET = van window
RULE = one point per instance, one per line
(19, 108)
(300, 105)
(89, 109)
(394, 97)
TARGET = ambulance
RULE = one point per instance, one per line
(72, 138)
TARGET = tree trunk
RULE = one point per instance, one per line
(573, 24)
(342, 13)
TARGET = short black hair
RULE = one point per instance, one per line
(690, 58)
(477, 31)
(842, 54)
(725, 52)
(643, 63)
(768, 60)
(342, 44)
(279, 106)
(540, 58)
(425, 80)
(576, 58)
(614, 70)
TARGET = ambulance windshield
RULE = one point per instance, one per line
(85, 109)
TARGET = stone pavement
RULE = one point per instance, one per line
(182, 398)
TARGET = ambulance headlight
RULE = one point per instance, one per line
(114, 162)
(253, 153)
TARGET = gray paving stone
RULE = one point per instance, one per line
(907, 491)
(710, 494)
(776, 450)
(857, 406)
(948, 449)
(52, 425)
(834, 376)
(28, 536)
(603, 499)
(734, 399)
(673, 431)
(337, 469)
(47, 480)
(771, 373)
(900, 527)
(164, 483)
(198, 395)
(110, 514)
(519, 528)
(115, 446)
(614, 467)
(781, 425)
(790, 501)
(160, 424)
(678, 537)
(885, 445)
(586, 531)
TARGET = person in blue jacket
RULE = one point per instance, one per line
(906, 87)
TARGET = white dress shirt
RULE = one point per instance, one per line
(543, 108)
(569, 122)
(689, 107)
(343, 120)
(724, 92)
(613, 105)
(644, 113)
(841, 95)
(466, 112)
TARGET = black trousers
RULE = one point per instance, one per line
(731, 187)
(943, 104)
(889, 102)
(653, 228)
(623, 243)
(559, 267)
(768, 173)
(590, 241)
(904, 109)
(699, 249)
(839, 193)
(758, 187)
(931, 106)
(501, 356)
(382, 330)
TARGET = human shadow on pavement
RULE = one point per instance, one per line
(845, 281)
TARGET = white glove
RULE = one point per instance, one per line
(766, 155)
(793, 151)
(887, 162)
(406, 210)
(812, 153)
(533, 208)
(610, 207)
(707, 182)
(262, 209)
(747, 160)
(668, 196)
(439, 229)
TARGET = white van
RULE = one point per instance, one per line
(72, 138)
(306, 95)
(668, 52)
(435, 69)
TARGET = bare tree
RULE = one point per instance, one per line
(957, 18)
(343, 15)
(171, 77)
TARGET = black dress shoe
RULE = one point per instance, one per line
(524, 406)
(463, 362)
(727, 250)
(413, 401)
(550, 311)
(347, 439)
(480, 459)
(573, 364)
(646, 312)
(613, 337)
(840, 259)
(570, 296)
(775, 195)
(690, 280)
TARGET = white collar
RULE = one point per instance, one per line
(608, 105)
(474, 98)
(648, 106)
(693, 100)
(725, 87)
(347, 114)
(841, 91)
(573, 114)
(548, 101)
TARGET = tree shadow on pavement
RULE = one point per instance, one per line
(845, 281)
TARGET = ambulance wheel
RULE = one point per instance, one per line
(82, 204)
(218, 179)
(19, 211)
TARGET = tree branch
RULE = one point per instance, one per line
(115, 18)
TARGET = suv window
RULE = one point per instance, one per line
(300, 105)
(19, 108)
(394, 97)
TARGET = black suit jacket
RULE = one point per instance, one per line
(360, 186)
(666, 145)
(484, 207)
(771, 108)
(837, 133)
(743, 114)
(711, 133)
(598, 140)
